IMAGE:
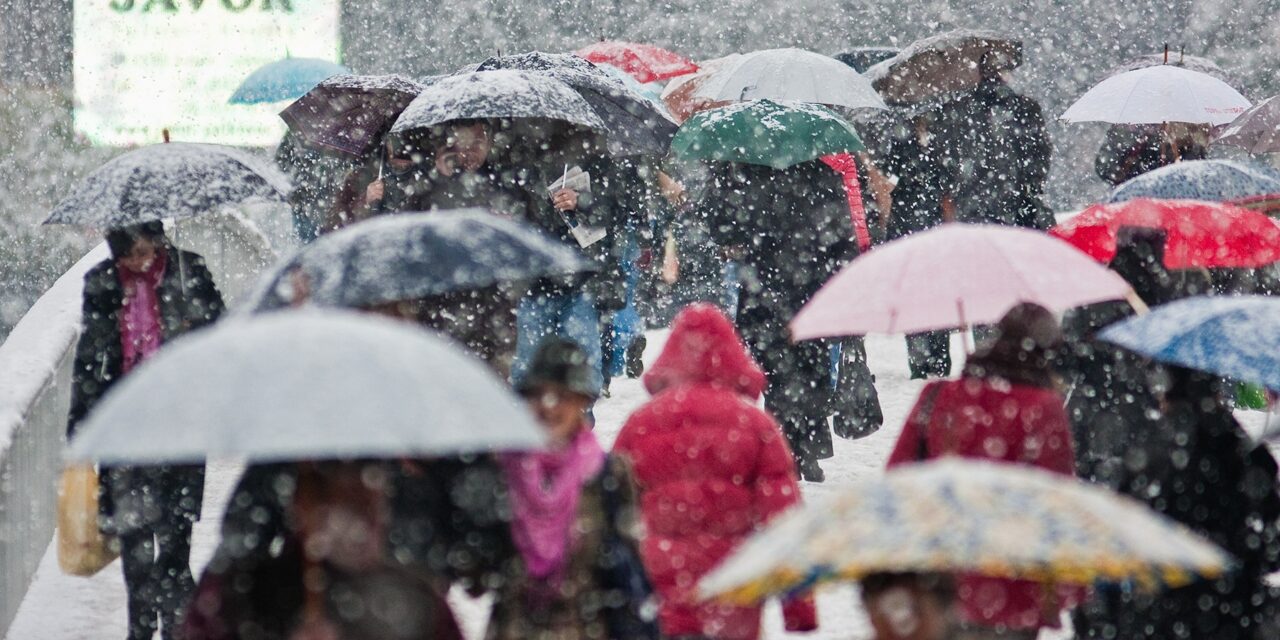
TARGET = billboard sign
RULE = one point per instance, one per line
(142, 66)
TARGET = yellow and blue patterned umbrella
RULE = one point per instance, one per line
(954, 515)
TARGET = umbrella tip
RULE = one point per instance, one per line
(164, 133)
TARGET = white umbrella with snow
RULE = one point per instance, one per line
(790, 75)
(299, 385)
(1156, 95)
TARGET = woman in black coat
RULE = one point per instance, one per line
(147, 293)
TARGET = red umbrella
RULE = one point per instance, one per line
(1200, 234)
(644, 62)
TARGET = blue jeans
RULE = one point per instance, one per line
(572, 316)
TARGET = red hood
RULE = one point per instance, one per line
(704, 349)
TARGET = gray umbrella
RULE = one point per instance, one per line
(412, 256)
(1256, 130)
(305, 386)
(941, 65)
(349, 114)
(635, 126)
(505, 94)
(172, 180)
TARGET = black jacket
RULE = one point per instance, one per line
(136, 496)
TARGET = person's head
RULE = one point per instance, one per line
(135, 247)
(1024, 347)
(1139, 260)
(341, 511)
(463, 145)
(994, 65)
(909, 606)
(559, 388)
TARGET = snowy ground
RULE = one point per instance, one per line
(60, 607)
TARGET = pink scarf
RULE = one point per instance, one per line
(140, 329)
(545, 487)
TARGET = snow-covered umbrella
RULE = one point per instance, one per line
(1194, 63)
(863, 58)
(645, 62)
(546, 114)
(1157, 95)
(305, 385)
(1237, 337)
(416, 255)
(1256, 130)
(349, 114)
(169, 181)
(942, 65)
(1209, 180)
(284, 79)
(681, 94)
(635, 126)
(793, 75)
(954, 515)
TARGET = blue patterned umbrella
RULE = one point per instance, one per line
(1233, 336)
(284, 79)
(1210, 180)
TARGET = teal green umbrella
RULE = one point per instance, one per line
(766, 133)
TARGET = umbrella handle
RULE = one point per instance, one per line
(164, 133)
(964, 328)
(1136, 302)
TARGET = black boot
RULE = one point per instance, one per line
(810, 470)
(635, 353)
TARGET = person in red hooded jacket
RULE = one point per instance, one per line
(711, 468)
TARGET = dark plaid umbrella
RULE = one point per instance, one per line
(177, 180)
(635, 126)
(863, 58)
(350, 114)
(412, 256)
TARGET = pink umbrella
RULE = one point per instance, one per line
(956, 275)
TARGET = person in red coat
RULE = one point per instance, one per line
(712, 468)
(1005, 408)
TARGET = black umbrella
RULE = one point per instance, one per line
(635, 126)
(350, 114)
(173, 180)
(535, 109)
(863, 58)
(413, 256)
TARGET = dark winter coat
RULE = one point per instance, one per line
(146, 495)
(1001, 149)
(711, 468)
(521, 608)
(925, 177)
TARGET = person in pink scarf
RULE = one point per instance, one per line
(144, 295)
(577, 575)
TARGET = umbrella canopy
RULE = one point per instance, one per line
(172, 180)
(681, 94)
(1194, 63)
(1236, 337)
(635, 126)
(546, 111)
(1256, 130)
(766, 133)
(1155, 95)
(644, 62)
(284, 79)
(349, 114)
(953, 276)
(415, 255)
(1000, 520)
(790, 75)
(863, 58)
(1199, 234)
(305, 385)
(1210, 180)
(942, 65)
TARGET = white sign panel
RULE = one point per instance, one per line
(142, 66)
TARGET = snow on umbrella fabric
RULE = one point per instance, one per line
(681, 94)
(863, 58)
(954, 275)
(790, 75)
(1194, 63)
(1156, 95)
(954, 515)
(635, 126)
(415, 255)
(942, 65)
(523, 97)
(1256, 130)
(301, 386)
(1236, 337)
(764, 132)
(1200, 234)
(284, 79)
(1209, 180)
(349, 114)
(172, 180)
(645, 62)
